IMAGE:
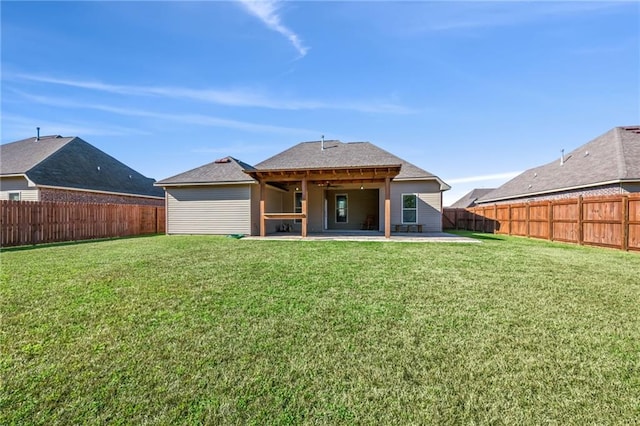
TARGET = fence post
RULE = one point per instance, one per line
(484, 219)
(473, 220)
(33, 223)
(509, 218)
(625, 222)
(495, 218)
(550, 220)
(528, 219)
(580, 221)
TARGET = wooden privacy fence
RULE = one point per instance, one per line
(36, 222)
(599, 221)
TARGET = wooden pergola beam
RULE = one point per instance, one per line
(263, 225)
(321, 175)
(387, 207)
(304, 208)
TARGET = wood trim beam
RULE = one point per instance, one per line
(280, 216)
(263, 224)
(327, 175)
(304, 207)
(387, 207)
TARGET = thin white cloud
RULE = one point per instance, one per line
(465, 15)
(236, 97)
(17, 126)
(267, 12)
(194, 119)
(482, 178)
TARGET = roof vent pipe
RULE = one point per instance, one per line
(322, 143)
(37, 134)
(562, 157)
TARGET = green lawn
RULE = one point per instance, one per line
(188, 330)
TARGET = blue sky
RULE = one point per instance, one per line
(473, 92)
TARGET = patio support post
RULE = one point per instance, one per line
(263, 225)
(387, 207)
(304, 207)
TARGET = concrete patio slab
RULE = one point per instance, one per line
(426, 237)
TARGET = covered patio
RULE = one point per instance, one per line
(376, 177)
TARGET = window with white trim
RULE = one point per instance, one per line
(409, 208)
(14, 196)
(342, 208)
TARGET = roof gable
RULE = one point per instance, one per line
(303, 156)
(610, 158)
(224, 170)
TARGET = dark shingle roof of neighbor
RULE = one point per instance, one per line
(70, 162)
(224, 170)
(336, 154)
(21, 156)
(610, 158)
(469, 199)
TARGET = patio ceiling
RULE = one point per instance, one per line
(323, 176)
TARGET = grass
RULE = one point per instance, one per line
(210, 330)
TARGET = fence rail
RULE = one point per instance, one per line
(599, 221)
(37, 222)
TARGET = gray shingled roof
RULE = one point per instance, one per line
(21, 156)
(610, 158)
(336, 154)
(225, 170)
(70, 162)
(469, 199)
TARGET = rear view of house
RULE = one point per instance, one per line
(321, 186)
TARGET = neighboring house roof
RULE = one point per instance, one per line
(224, 170)
(70, 162)
(613, 157)
(469, 199)
(336, 154)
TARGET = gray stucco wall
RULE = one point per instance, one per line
(360, 204)
(273, 204)
(429, 203)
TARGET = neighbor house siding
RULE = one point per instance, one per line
(218, 210)
(18, 184)
(429, 203)
(315, 208)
